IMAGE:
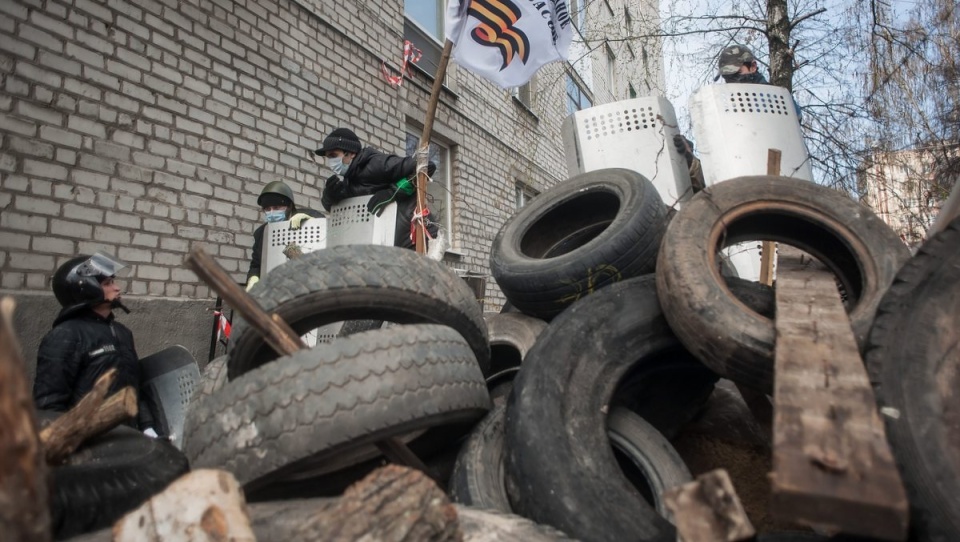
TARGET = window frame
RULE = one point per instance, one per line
(523, 193)
(578, 100)
(430, 46)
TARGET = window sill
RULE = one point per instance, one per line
(425, 79)
(526, 109)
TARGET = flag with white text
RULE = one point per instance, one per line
(507, 41)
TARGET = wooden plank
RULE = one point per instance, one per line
(832, 466)
(24, 511)
(200, 506)
(708, 510)
(768, 249)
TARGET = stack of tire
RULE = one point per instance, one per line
(309, 422)
(637, 323)
(562, 408)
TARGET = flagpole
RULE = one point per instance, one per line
(423, 152)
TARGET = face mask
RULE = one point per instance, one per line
(754, 77)
(337, 165)
(276, 216)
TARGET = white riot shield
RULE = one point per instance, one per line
(349, 223)
(735, 126)
(635, 134)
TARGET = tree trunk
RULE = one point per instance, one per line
(778, 35)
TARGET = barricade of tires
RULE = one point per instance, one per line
(562, 409)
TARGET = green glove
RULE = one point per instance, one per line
(297, 219)
(406, 187)
(253, 280)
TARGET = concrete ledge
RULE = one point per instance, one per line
(156, 324)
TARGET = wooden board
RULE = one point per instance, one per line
(832, 466)
(708, 510)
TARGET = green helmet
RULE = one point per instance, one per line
(275, 193)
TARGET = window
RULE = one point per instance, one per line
(524, 193)
(611, 66)
(631, 92)
(423, 25)
(576, 98)
(578, 12)
(439, 199)
(523, 93)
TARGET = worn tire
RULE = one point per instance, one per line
(493, 526)
(511, 336)
(591, 230)
(213, 378)
(650, 455)
(360, 282)
(862, 251)
(914, 363)
(318, 407)
(560, 468)
(478, 476)
(107, 477)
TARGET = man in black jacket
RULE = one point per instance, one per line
(360, 171)
(86, 341)
(276, 200)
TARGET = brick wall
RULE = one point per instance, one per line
(144, 128)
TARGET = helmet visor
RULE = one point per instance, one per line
(100, 265)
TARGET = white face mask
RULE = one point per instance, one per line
(336, 164)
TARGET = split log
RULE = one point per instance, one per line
(200, 506)
(118, 408)
(391, 503)
(24, 510)
(832, 466)
(708, 510)
(69, 431)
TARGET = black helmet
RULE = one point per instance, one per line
(76, 284)
(276, 193)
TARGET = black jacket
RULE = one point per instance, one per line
(372, 170)
(80, 348)
(255, 259)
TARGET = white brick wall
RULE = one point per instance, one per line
(145, 128)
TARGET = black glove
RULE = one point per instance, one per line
(684, 147)
(380, 199)
(331, 191)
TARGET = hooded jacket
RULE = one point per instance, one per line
(80, 348)
(372, 170)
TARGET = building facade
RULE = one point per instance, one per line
(905, 189)
(145, 128)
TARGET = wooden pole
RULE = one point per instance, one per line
(24, 511)
(278, 334)
(769, 247)
(423, 151)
